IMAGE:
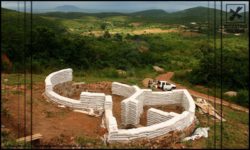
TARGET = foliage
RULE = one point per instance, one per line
(214, 69)
(58, 43)
(242, 98)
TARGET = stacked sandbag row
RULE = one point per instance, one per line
(124, 112)
(63, 100)
(54, 78)
(130, 112)
(62, 76)
(140, 98)
(134, 114)
(155, 116)
(126, 107)
(186, 120)
(188, 102)
(87, 100)
(57, 77)
(92, 100)
(159, 122)
(122, 89)
(176, 123)
(163, 98)
(132, 108)
(108, 105)
(111, 122)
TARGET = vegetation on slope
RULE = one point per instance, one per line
(54, 46)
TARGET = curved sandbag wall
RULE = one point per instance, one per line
(87, 101)
(158, 122)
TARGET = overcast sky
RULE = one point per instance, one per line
(120, 6)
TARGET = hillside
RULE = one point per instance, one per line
(15, 18)
(67, 8)
(150, 13)
(197, 14)
(124, 47)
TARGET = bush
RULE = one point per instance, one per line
(37, 67)
(110, 73)
(242, 98)
(107, 34)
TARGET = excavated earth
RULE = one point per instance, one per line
(61, 125)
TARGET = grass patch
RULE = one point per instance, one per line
(49, 114)
(85, 141)
(15, 79)
(132, 77)
(235, 132)
(9, 142)
(180, 77)
(17, 92)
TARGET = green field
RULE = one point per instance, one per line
(96, 45)
(130, 42)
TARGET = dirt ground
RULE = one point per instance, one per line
(69, 89)
(153, 31)
(48, 119)
(167, 76)
(73, 90)
(59, 125)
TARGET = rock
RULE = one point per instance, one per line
(147, 145)
(61, 106)
(158, 69)
(231, 93)
(121, 72)
(78, 83)
(197, 122)
(145, 82)
(89, 144)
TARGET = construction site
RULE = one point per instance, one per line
(108, 113)
(129, 125)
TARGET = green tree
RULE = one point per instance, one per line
(103, 26)
(107, 34)
(118, 37)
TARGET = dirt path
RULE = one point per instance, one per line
(167, 76)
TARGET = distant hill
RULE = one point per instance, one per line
(77, 15)
(7, 10)
(196, 14)
(68, 8)
(150, 13)
(16, 19)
